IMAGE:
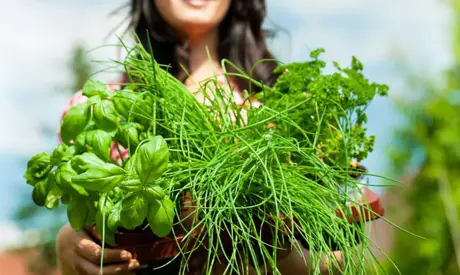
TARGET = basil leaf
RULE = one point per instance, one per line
(63, 179)
(93, 100)
(96, 88)
(53, 198)
(152, 160)
(74, 122)
(114, 217)
(116, 194)
(54, 193)
(39, 193)
(91, 218)
(161, 216)
(38, 168)
(77, 213)
(98, 142)
(80, 142)
(83, 162)
(128, 135)
(132, 106)
(129, 165)
(62, 153)
(133, 210)
(131, 185)
(100, 178)
(106, 116)
(124, 100)
(105, 204)
(155, 193)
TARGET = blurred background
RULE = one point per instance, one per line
(411, 45)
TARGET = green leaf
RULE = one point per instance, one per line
(133, 210)
(161, 216)
(315, 54)
(100, 178)
(152, 160)
(117, 194)
(106, 116)
(113, 221)
(96, 88)
(155, 193)
(93, 100)
(63, 178)
(39, 193)
(54, 193)
(77, 213)
(74, 122)
(131, 185)
(129, 165)
(80, 142)
(38, 168)
(132, 106)
(128, 135)
(98, 142)
(62, 153)
(124, 100)
(105, 203)
(83, 162)
(91, 218)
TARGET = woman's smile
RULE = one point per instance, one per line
(197, 3)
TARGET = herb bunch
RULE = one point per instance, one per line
(334, 118)
(244, 179)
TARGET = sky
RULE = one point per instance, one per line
(37, 37)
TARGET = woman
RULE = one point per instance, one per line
(181, 32)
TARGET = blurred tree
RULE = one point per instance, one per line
(432, 197)
(81, 67)
(28, 214)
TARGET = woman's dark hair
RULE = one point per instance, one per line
(241, 39)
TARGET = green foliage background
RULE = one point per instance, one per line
(431, 197)
(81, 68)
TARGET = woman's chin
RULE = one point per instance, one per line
(191, 26)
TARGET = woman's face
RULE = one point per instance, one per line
(193, 17)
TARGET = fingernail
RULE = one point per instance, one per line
(133, 265)
(125, 255)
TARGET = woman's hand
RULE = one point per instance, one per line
(296, 263)
(291, 262)
(78, 254)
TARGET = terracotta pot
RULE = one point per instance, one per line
(370, 208)
(145, 246)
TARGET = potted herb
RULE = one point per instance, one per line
(199, 184)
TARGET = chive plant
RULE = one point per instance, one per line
(257, 182)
